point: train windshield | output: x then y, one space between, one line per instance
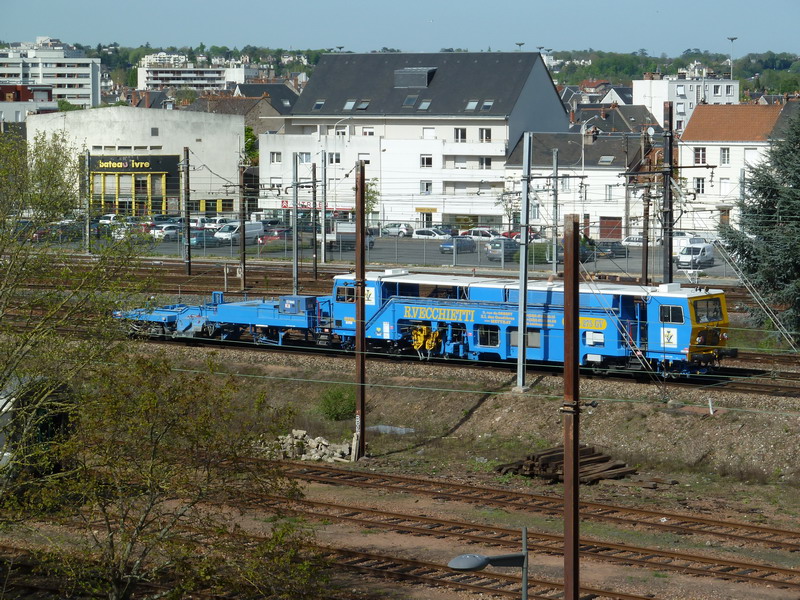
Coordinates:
708 310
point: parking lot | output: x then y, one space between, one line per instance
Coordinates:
414 252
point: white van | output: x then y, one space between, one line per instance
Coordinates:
679 243
696 256
217 222
229 232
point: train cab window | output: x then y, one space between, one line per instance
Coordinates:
345 294
488 335
707 311
671 314
534 338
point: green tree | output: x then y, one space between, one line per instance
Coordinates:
157 459
372 197
65 105
251 145
765 245
44 297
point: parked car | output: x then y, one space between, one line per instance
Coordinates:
161 219
167 232
229 233
634 241
276 234
204 238
482 234
496 249
696 256
217 222
112 219
613 249
199 222
462 244
430 234
398 229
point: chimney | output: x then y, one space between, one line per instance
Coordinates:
572 117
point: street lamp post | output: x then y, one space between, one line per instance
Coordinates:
478 562
730 56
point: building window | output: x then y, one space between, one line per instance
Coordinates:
485 134
304 158
154 131
367 131
671 314
724 156
681 90
425 187
680 107
426 161
484 162
410 101
363 105
691 105
275 158
700 185
364 156
729 90
700 156
424 105
487 105
679 124
471 105
460 134
275 183
334 158
318 104
717 89
349 104
428 133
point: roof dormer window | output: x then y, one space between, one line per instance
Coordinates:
487 105
349 104
410 101
318 104
471 105
362 105
424 105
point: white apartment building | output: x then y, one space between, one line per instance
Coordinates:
685 92
433 129
187 77
71 75
173 60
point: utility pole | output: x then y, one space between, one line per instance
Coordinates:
555 211
571 411
242 231
666 219
524 239
324 213
361 349
645 234
314 217
295 228
87 218
187 228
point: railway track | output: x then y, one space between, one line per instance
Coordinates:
739 533
488 536
492 584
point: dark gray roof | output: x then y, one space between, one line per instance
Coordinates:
223 105
609 151
380 83
790 110
282 97
621 118
153 99
625 93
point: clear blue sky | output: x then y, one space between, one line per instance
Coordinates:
667 27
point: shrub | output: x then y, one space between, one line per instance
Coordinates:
337 403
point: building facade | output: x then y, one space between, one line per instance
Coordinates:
135 154
433 129
48 62
686 92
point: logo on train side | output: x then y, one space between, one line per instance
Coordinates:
436 313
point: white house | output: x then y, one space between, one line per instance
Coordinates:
716 148
434 130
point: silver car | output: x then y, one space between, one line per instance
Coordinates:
398 229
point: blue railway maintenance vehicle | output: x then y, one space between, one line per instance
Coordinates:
664 328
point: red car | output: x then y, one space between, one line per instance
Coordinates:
276 235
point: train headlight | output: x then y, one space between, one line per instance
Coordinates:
699 339
724 336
